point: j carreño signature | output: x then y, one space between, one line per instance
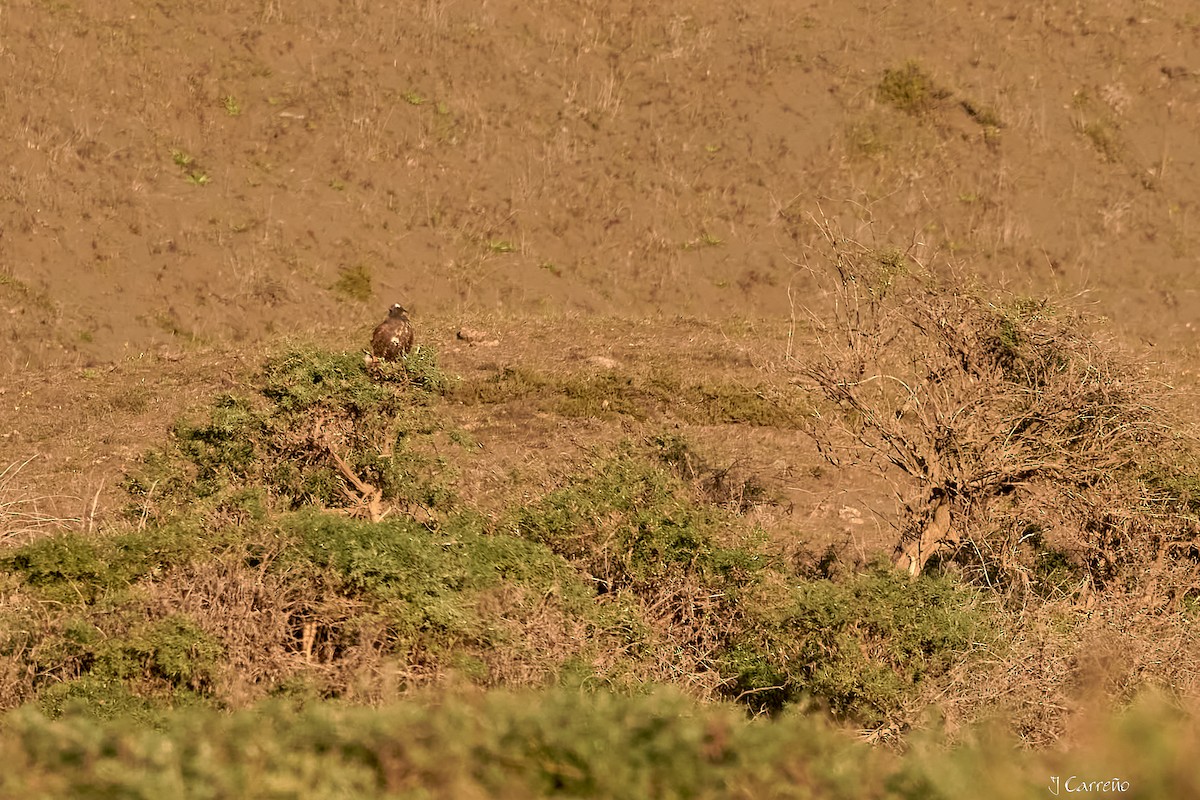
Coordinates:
1075 784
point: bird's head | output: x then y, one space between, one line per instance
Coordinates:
397 312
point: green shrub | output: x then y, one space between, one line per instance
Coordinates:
69 560
155 665
418 369
861 646
565 744
101 698
551 744
224 444
631 524
176 650
427 581
247 454
402 559
73 567
302 379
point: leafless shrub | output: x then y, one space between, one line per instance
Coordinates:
1025 446
247 611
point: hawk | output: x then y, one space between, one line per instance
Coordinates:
393 338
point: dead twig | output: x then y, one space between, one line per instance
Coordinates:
366 500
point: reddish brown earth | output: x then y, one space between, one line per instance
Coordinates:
182 185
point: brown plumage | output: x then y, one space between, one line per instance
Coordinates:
394 336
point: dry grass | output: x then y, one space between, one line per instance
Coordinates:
23 517
1062 664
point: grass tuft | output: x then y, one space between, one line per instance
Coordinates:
354 282
910 89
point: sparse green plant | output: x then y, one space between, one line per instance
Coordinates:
231 105
1104 138
705 239
192 172
462 438
866 139
39 299
1097 126
354 282
910 89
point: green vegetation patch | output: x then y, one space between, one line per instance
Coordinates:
632 524
354 283
862 645
305 378
674 570
281 447
986 116
133 671
77 568
599 395
911 90
563 744
425 579
449 594
551 744
18 289
1175 475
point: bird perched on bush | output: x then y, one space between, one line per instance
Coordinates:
393 337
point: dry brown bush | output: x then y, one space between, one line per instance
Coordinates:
248 610
1023 445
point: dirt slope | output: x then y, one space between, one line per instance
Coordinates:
213 172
